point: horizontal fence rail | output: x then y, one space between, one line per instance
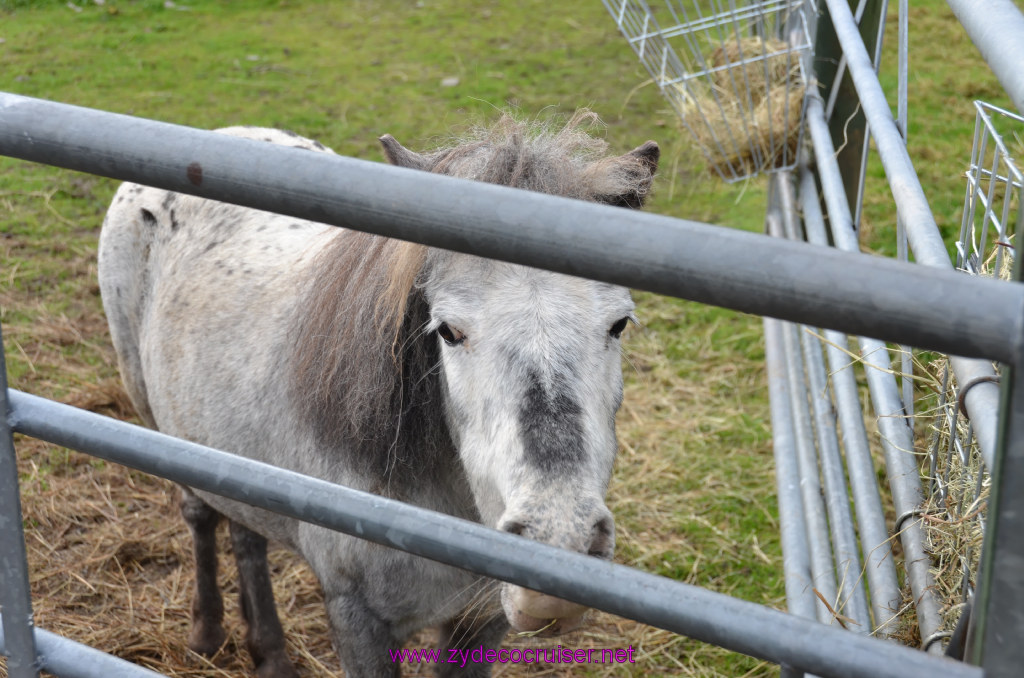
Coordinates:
68 659
875 297
711 617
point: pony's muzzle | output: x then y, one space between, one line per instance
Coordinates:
546 615
540 613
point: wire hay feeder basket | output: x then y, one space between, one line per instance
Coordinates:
956 469
733 70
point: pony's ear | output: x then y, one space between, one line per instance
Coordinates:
400 156
648 154
631 176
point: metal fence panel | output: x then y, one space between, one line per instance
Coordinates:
996 28
712 617
875 297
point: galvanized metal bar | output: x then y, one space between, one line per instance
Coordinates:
796 565
800 599
822 566
902 254
981 402
904 482
897 437
874 535
876 297
802 467
15 594
995 27
902 66
998 616
906 187
68 659
796 556
832 187
811 16
851 600
738 625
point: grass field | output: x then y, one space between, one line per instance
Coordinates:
693 491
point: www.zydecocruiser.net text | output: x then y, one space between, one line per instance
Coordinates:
529 655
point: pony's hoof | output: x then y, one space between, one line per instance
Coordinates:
206 639
276 666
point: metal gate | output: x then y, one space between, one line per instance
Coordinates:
838 550
922 306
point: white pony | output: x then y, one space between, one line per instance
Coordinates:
482 389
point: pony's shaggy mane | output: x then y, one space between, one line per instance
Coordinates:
362 361
357 375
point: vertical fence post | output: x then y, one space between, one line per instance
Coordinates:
846 119
14 587
997 619
998 615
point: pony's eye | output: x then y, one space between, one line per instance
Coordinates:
451 336
618 327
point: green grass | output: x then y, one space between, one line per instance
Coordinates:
694 490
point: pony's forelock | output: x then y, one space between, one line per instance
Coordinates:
548 156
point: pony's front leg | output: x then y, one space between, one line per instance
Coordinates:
361 638
462 635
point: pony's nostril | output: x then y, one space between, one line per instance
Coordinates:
602 538
513 527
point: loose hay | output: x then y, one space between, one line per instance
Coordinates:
954 518
110 562
957 487
745 111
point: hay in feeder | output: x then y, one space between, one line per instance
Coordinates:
755 64
745 110
955 510
953 518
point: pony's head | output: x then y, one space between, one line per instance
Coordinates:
526 363
531 372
